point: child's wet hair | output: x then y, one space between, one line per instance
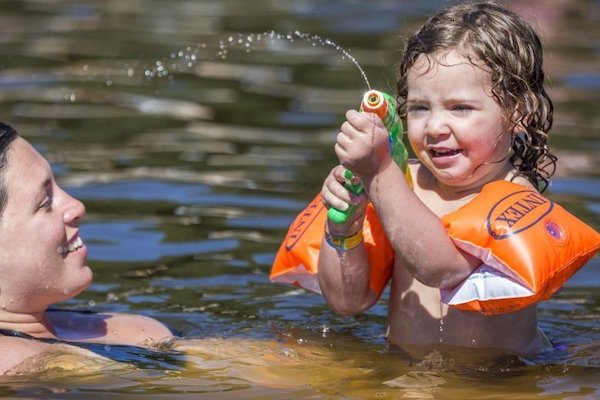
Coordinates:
497 39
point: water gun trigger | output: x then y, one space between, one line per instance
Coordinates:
341 216
355 188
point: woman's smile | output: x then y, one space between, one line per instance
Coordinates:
73 245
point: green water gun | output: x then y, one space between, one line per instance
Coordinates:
384 106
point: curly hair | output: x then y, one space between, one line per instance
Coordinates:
489 34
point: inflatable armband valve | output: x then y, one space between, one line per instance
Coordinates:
529 247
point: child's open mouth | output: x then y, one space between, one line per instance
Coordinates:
444 152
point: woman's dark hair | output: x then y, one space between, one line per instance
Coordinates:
490 35
7 136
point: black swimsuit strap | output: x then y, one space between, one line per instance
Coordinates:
13 333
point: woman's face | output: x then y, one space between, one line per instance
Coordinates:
43 260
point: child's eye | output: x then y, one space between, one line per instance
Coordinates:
417 109
462 109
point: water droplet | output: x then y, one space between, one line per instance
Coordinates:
441 321
288 352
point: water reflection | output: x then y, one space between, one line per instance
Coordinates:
192 173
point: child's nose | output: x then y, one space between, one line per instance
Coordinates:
437 124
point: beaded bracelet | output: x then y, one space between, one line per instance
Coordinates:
344 243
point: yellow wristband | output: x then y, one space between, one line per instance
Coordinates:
344 243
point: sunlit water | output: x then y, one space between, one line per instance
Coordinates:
194 140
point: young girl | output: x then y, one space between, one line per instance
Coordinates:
471 90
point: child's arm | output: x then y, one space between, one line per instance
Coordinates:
419 239
344 273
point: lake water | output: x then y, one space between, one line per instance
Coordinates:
194 136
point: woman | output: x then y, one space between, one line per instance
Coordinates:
43 261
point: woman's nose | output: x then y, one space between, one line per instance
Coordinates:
74 209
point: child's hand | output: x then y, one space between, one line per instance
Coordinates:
362 144
336 195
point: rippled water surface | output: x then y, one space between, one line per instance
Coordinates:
194 131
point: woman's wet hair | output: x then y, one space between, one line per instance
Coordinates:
7 136
494 38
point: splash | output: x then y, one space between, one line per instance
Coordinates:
191 56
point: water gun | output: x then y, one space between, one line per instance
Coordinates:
384 106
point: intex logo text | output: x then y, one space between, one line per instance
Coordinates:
517 212
303 221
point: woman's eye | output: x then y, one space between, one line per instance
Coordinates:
47 204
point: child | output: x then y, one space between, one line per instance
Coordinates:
471 90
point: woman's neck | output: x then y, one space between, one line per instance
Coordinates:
34 323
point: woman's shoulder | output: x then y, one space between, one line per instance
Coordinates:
108 327
14 350
135 329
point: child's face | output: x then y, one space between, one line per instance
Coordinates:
455 126
43 260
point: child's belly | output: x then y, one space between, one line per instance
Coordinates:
417 316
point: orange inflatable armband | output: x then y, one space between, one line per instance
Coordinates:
296 260
529 247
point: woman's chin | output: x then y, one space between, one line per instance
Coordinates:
84 281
